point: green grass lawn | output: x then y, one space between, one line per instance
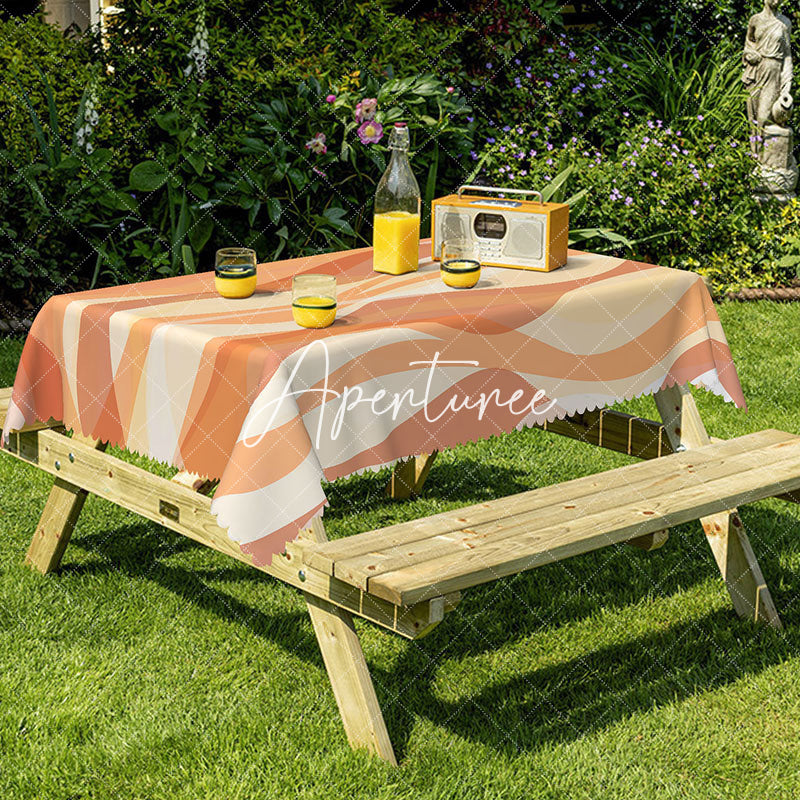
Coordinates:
151 667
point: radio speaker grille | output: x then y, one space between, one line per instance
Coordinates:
526 239
455 226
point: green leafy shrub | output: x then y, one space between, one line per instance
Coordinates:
317 200
679 201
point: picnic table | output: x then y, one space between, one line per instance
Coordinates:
258 412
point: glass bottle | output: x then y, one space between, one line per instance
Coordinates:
395 233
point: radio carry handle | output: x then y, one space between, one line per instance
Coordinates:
499 189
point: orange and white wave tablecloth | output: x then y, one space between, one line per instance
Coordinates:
233 389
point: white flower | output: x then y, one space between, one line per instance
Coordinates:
198 51
90 117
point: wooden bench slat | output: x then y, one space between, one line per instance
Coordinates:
523 548
612 492
404 534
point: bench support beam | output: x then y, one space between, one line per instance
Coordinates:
725 532
347 669
409 476
60 514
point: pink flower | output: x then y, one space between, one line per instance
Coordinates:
370 132
450 89
366 109
317 144
331 98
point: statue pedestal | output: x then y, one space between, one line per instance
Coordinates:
776 174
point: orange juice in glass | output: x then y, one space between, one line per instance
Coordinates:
395 233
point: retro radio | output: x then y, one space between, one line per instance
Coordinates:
523 234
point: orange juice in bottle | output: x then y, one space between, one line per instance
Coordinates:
395 234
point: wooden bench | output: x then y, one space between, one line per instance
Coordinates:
407 577
431 557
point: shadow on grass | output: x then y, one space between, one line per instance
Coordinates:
561 702
138 551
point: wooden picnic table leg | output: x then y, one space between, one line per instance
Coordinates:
725 533
61 512
347 670
409 476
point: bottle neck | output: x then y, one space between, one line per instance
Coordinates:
399 156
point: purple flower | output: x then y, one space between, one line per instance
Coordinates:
317 144
488 65
490 140
523 172
700 117
474 155
331 98
506 128
370 132
519 130
450 89
549 162
533 154
366 109
626 114
628 201
547 84
470 119
624 66
580 113
502 148
654 173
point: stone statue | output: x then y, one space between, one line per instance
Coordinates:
767 75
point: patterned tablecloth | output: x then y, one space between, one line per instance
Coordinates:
233 389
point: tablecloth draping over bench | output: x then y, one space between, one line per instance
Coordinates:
172 370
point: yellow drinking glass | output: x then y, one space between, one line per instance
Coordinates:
235 272
314 300
460 266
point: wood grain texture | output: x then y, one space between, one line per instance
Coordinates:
583 494
525 546
185 511
418 560
724 531
55 526
613 430
348 671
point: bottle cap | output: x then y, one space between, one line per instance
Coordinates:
400 124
